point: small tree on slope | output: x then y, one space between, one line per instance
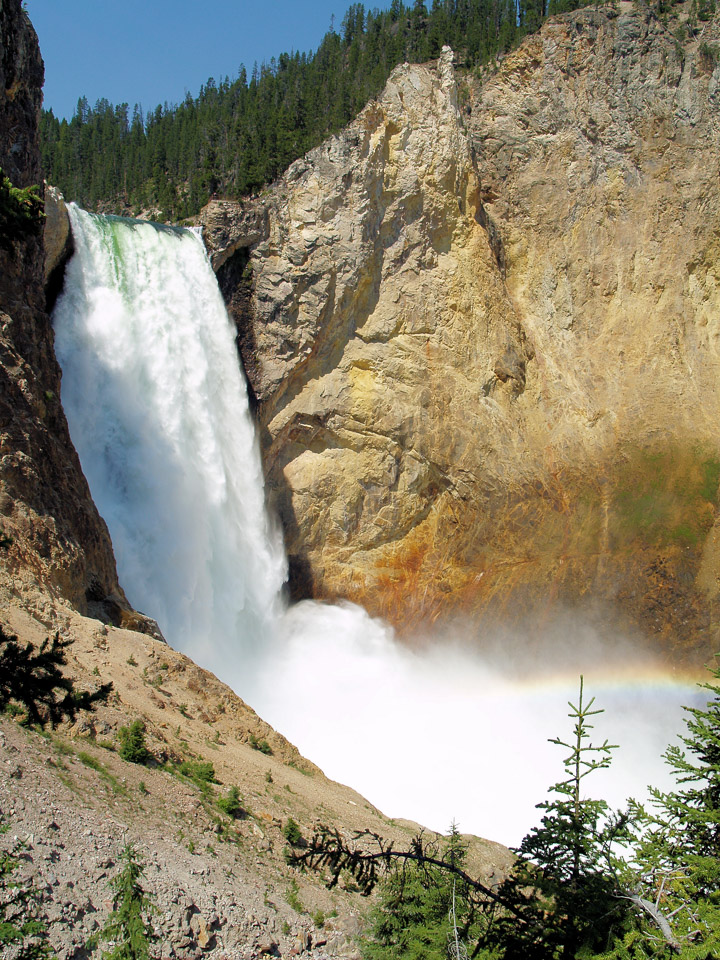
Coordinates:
417 906
128 929
564 881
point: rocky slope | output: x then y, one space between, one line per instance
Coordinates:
52 540
482 340
222 885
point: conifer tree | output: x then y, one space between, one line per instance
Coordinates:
237 136
570 894
128 929
564 883
677 865
132 743
33 679
413 917
562 899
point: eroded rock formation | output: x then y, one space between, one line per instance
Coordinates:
482 342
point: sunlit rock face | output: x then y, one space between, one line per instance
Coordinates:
483 342
57 236
597 144
386 352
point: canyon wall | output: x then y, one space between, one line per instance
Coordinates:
51 536
482 338
479 327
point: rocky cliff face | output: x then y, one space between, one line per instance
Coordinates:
597 145
482 342
50 532
380 336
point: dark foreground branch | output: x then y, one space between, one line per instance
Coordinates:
33 679
329 851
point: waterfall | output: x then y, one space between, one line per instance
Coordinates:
157 408
158 411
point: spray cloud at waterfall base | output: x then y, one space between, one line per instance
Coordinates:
157 407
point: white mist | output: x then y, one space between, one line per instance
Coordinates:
158 412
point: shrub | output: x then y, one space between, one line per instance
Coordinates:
292 833
707 57
132 743
705 10
262 745
202 771
231 804
21 212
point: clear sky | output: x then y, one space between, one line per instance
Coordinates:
152 51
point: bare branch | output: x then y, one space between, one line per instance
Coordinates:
328 850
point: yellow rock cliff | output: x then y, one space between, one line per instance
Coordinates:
482 339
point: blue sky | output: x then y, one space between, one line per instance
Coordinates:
152 51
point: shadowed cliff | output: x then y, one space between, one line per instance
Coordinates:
51 536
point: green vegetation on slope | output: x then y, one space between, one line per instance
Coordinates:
21 212
588 883
237 136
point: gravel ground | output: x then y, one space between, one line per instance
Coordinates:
221 885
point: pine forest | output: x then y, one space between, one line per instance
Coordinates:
238 135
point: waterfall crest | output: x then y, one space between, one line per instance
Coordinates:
157 407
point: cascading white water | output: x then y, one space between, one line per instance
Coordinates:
158 412
159 416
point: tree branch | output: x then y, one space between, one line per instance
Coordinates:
328 849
